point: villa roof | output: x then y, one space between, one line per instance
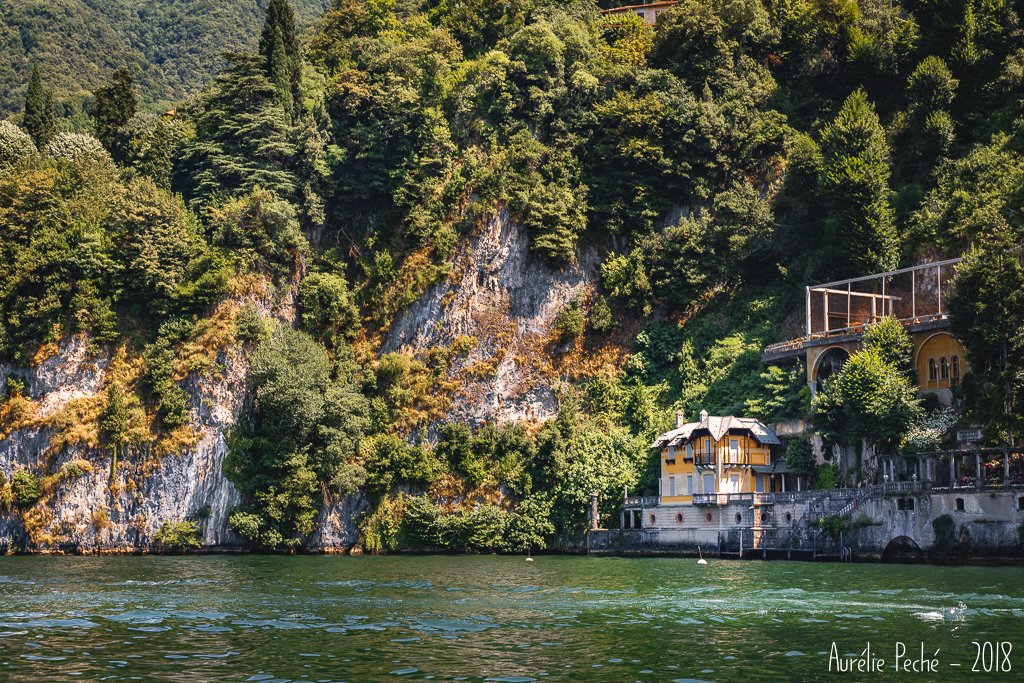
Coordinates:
718 427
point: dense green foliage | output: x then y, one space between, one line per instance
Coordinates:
709 169
173 46
39 116
178 536
306 422
872 397
113 107
988 312
25 488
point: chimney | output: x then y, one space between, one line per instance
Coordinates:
703 416
680 419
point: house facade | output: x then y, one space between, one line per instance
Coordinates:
717 456
648 11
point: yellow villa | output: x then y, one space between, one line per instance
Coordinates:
717 455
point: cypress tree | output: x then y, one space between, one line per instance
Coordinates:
855 181
39 119
279 47
115 104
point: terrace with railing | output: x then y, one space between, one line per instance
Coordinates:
840 310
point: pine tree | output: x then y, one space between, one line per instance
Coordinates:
855 181
39 119
279 47
114 106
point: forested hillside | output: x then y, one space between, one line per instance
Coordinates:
173 47
677 188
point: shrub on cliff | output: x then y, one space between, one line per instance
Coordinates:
178 537
25 488
571 321
326 308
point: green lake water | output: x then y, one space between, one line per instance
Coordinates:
257 618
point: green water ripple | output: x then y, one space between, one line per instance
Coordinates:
483 618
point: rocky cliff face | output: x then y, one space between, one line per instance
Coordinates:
88 504
498 296
93 510
506 301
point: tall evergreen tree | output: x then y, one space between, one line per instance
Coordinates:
39 120
243 139
855 181
987 313
279 46
114 106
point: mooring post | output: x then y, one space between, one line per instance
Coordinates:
593 512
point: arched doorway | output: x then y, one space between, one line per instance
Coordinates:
829 363
902 549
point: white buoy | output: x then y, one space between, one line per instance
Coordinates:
701 560
529 559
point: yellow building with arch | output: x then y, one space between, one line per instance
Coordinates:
837 313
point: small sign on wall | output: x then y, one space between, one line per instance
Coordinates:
972 435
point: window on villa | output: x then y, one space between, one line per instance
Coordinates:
960 504
956 367
739 518
932 374
789 517
734 449
689 485
708 517
1020 503
679 518
671 457
944 368
651 519
671 486
708 448
689 451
